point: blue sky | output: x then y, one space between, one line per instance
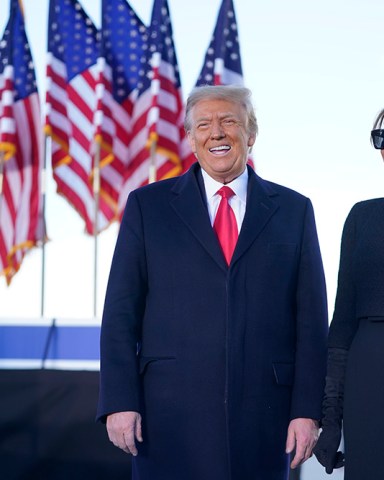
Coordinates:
316 70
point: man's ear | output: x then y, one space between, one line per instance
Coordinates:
191 141
251 140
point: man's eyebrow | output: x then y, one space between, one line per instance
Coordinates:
221 115
228 115
203 117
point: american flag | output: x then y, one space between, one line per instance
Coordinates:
222 64
158 114
21 222
73 49
123 41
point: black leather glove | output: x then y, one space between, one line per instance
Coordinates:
326 449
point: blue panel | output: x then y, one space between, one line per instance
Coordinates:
66 343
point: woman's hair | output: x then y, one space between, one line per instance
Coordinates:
229 93
379 120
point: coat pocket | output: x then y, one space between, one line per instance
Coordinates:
376 319
145 361
284 373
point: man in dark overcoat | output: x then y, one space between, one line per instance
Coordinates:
212 368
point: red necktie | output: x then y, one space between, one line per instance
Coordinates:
225 224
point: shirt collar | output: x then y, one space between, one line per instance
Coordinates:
239 185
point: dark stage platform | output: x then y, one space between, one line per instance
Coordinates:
47 428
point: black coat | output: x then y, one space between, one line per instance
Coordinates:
227 356
358 326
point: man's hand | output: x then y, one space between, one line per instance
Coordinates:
302 435
123 429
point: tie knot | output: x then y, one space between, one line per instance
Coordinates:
226 192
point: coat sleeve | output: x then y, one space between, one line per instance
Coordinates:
311 325
344 322
122 317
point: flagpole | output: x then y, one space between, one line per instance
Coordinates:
154 114
96 194
43 194
152 164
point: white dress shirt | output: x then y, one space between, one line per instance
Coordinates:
237 202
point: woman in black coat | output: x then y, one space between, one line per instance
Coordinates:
354 392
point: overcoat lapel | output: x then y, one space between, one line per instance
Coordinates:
260 209
189 204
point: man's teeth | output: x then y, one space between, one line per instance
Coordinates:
222 147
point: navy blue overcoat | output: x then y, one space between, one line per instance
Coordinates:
217 359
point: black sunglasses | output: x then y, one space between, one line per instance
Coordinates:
377 137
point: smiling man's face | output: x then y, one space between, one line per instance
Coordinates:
219 138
